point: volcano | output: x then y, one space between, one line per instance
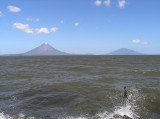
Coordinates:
124 51
44 49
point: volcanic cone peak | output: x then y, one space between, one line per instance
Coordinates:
45 49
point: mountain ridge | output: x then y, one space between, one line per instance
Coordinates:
44 49
124 51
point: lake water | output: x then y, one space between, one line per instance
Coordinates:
79 87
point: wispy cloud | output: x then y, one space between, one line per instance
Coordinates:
107 3
25 28
145 43
136 41
43 30
62 21
54 29
98 2
76 24
13 9
139 42
1 14
121 3
32 19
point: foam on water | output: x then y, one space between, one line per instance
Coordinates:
22 116
124 110
19 116
128 109
76 118
2 116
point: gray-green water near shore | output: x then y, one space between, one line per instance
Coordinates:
79 86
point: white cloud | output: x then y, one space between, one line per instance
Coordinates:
13 9
54 29
145 43
76 24
43 30
98 2
1 14
62 22
25 28
107 3
31 19
139 42
121 3
136 41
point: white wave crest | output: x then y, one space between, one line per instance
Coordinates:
2 116
124 110
19 116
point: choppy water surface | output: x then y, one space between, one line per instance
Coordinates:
64 87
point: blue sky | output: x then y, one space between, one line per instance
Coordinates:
80 26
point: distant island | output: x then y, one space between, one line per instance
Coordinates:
44 49
47 50
124 51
